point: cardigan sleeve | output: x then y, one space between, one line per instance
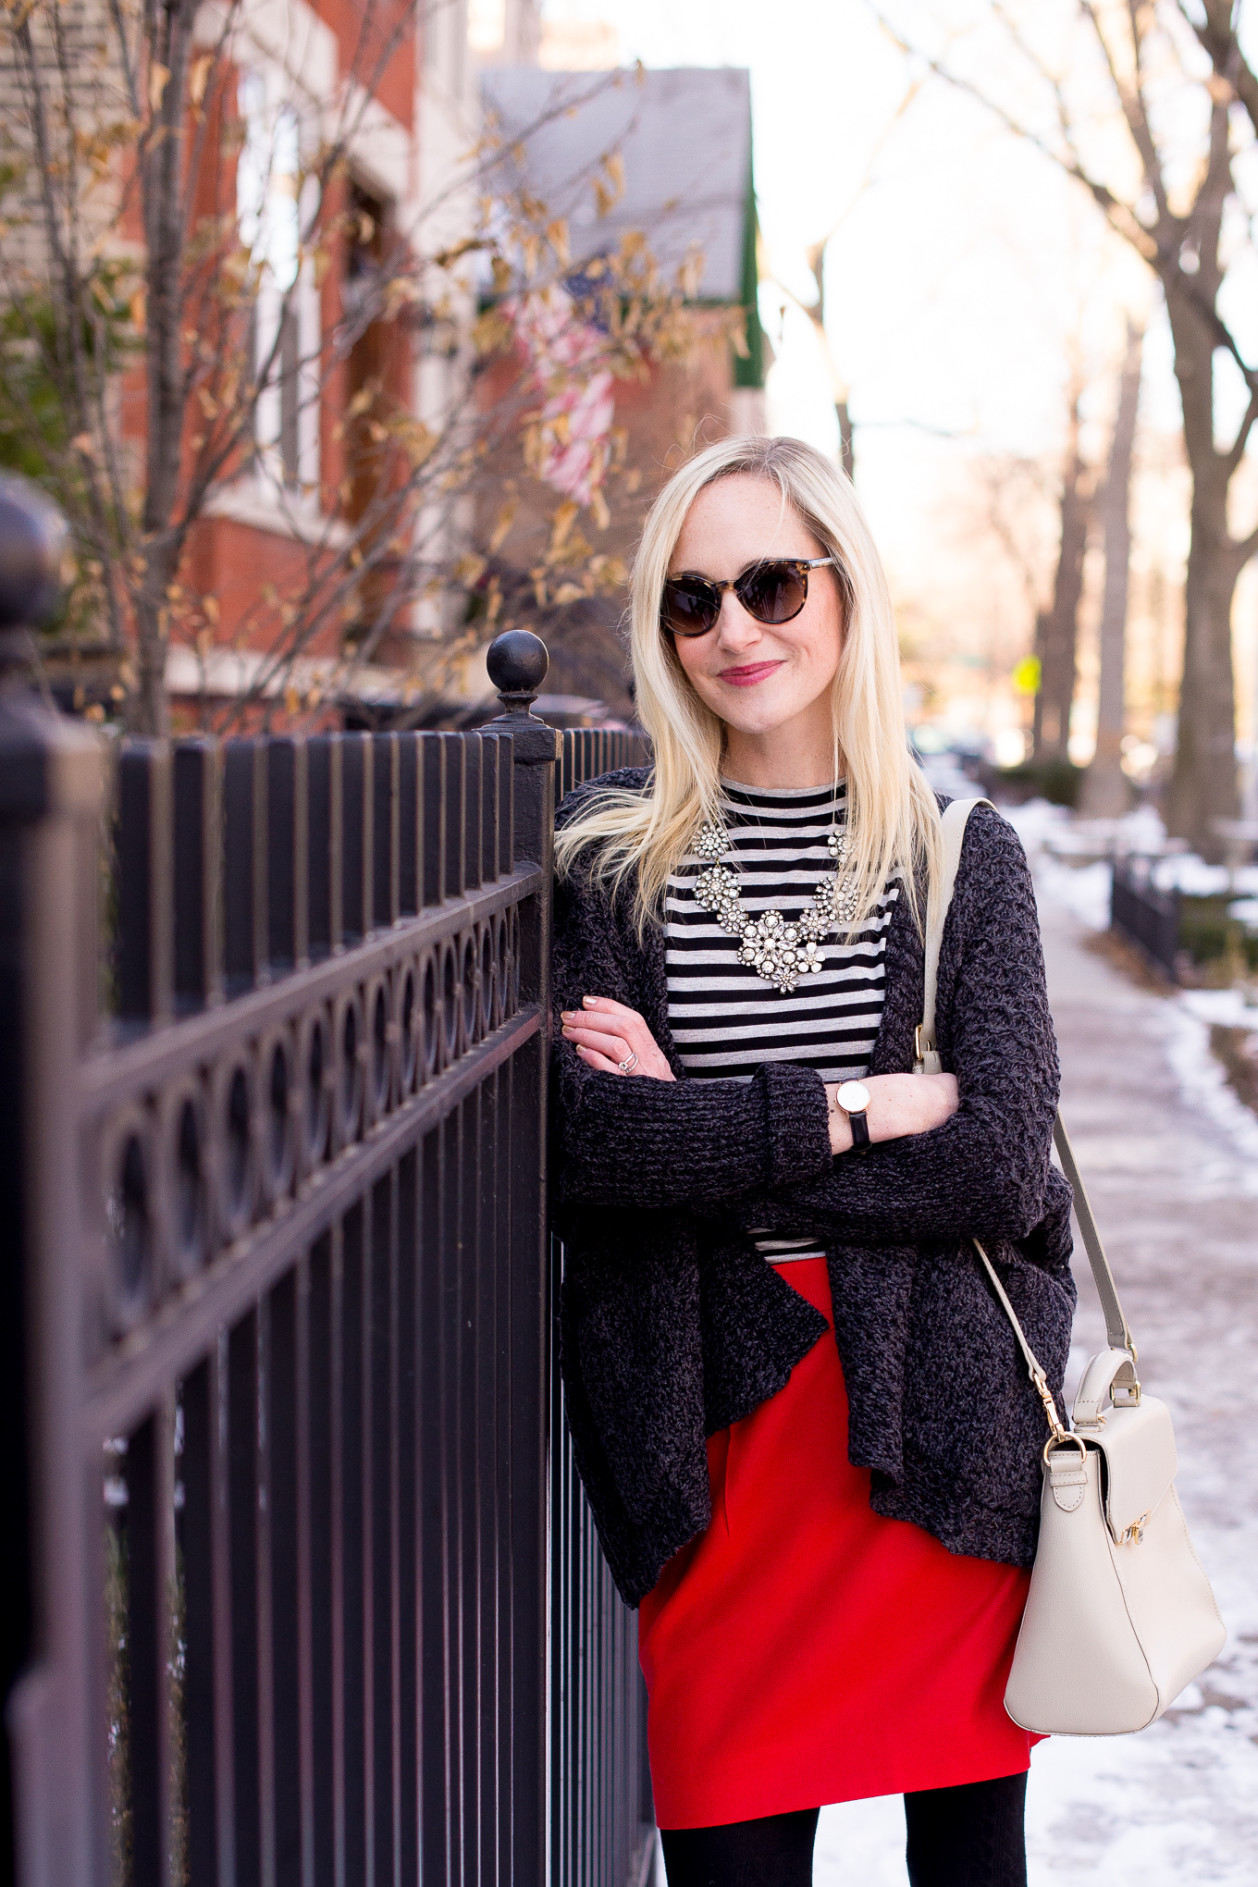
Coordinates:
636 1142
986 1170
695 1144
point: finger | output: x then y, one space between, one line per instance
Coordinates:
612 1045
619 1012
600 1033
602 1014
599 1063
600 1036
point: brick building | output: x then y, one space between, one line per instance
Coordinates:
294 586
268 89
682 141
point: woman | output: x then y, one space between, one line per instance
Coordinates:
809 1446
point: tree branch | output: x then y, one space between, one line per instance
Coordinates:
1218 37
1132 103
1236 452
1148 244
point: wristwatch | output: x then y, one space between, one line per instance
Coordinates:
853 1098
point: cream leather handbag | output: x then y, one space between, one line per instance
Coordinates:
1120 1616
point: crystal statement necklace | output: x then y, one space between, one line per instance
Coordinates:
779 951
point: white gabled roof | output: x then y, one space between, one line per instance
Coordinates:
684 137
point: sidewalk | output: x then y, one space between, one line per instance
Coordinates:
1172 1163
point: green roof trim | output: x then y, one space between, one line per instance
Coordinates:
749 367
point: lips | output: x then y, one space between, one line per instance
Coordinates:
748 677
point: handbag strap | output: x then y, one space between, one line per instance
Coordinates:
1117 1329
952 826
1034 1368
953 823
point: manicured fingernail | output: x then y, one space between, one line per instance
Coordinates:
591 1002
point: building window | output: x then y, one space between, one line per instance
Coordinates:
284 323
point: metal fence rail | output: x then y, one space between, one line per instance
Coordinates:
303 1586
1146 915
601 1813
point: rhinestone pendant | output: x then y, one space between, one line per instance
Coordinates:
716 887
712 842
778 950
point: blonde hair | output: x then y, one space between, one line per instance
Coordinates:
893 817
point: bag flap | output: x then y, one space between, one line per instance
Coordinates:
1138 1445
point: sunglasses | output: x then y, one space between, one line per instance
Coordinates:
773 591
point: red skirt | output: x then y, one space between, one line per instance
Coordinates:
803 1650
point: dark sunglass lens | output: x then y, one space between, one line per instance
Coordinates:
689 609
774 592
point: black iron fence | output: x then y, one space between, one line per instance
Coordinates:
1146 915
299 1585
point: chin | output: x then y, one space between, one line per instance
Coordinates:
758 717
756 724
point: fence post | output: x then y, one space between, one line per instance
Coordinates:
517 663
50 793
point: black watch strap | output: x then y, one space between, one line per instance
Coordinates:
859 1123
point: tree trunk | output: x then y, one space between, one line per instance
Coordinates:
150 703
1204 783
1105 786
847 437
165 230
817 315
1057 628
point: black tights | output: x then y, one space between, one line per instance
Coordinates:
971 1836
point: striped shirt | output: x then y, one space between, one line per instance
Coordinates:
725 1018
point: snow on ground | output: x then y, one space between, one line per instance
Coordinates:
1203 1083
1198 880
1084 890
1171 1158
1052 839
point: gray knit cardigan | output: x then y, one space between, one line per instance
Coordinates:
672 1326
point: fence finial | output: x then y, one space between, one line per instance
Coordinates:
33 540
517 662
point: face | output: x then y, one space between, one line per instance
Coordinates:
761 679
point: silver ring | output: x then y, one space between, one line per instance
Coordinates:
627 1066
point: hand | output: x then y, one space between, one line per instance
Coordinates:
606 1033
898 1105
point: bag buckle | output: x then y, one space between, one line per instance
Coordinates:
1059 1440
1050 1409
925 1055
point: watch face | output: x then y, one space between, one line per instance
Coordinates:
853 1097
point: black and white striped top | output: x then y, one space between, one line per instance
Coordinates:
725 1018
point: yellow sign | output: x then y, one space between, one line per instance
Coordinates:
1026 675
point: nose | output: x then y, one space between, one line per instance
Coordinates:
735 630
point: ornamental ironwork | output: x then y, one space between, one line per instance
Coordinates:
311 1590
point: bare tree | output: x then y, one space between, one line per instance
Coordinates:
1015 505
1057 626
840 391
1145 58
1105 786
192 281
840 387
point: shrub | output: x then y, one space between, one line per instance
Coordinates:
1055 780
